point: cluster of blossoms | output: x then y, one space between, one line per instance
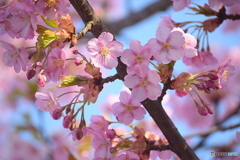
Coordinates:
203 81
170 45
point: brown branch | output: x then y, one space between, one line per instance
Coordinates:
212 130
155 109
235 111
159 147
136 17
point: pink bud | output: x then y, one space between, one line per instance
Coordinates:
67 120
77 134
213 76
57 113
41 79
212 84
210 110
202 111
111 133
78 61
74 51
31 73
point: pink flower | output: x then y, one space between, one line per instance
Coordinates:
144 83
168 45
218 4
163 155
41 79
46 102
104 51
203 58
20 20
53 8
127 109
55 65
189 46
225 71
168 22
99 122
129 156
182 84
137 54
180 4
101 144
14 57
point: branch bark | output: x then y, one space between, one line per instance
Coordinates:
176 142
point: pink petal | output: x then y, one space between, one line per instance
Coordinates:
176 39
125 118
139 93
125 97
135 46
153 92
175 54
105 38
139 113
163 33
131 81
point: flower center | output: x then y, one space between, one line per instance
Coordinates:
225 74
58 62
129 107
143 83
104 51
138 58
166 46
50 3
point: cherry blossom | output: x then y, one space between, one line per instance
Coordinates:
104 51
137 54
163 155
182 84
144 83
225 71
218 4
52 8
22 14
167 45
127 109
129 156
55 65
180 4
99 122
202 58
101 144
18 58
46 102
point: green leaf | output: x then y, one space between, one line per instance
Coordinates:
46 38
72 81
51 23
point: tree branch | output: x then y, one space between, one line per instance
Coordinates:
133 18
212 130
235 111
155 109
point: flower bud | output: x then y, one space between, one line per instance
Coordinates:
78 61
31 73
67 120
41 79
110 133
57 113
